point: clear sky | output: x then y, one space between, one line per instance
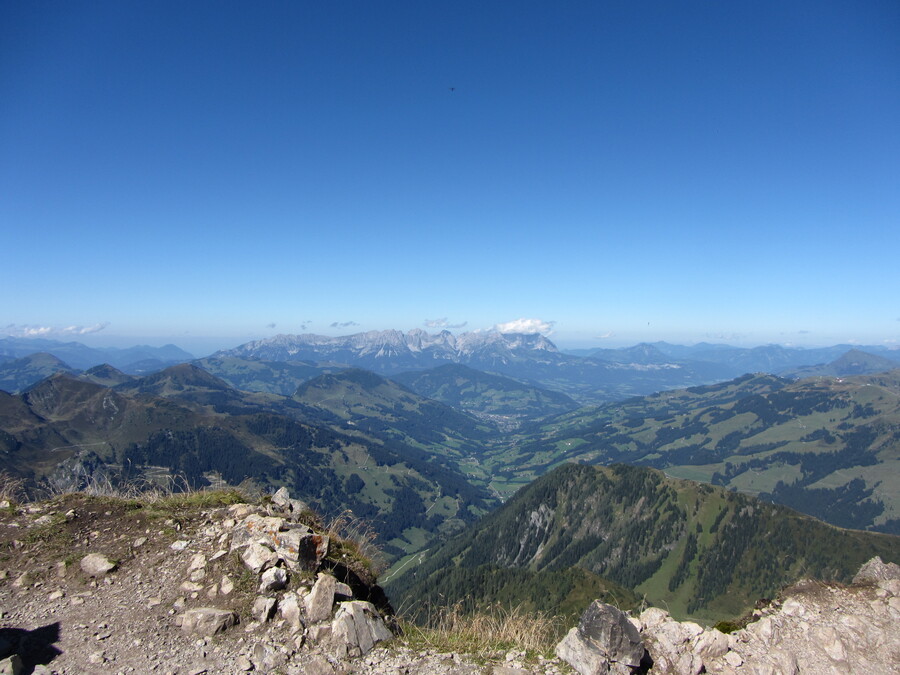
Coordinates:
211 172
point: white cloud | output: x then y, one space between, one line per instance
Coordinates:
84 330
526 326
52 331
443 323
343 324
605 336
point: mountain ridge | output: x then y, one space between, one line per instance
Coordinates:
698 549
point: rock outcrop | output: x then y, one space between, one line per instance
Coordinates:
228 589
604 641
99 586
813 628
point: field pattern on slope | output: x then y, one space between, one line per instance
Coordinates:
828 446
183 424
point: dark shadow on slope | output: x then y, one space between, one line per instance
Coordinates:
34 647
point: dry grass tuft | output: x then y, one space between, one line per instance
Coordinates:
485 634
12 488
354 539
173 495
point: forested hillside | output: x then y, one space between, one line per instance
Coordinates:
827 446
700 550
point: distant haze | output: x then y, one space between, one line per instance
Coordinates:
604 172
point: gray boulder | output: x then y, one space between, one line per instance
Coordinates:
273 579
293 507
876 570
289 606
207 620
96 565
256 529
318 603
604 641
258 558
263 608
357 628
301 549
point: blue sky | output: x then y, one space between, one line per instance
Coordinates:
211 172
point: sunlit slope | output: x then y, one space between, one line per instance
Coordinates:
827 446
699 550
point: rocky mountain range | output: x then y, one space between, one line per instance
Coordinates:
590 376
280 364
393 351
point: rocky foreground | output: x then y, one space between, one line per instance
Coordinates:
91 585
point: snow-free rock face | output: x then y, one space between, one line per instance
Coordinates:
875 571
392 350
814 628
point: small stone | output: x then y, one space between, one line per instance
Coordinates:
179 545
226 585
140 541
56 595
273 579
734 659
198 561
263 608
96 565
320 632
207 620
243 663
259 558
242 510
317 664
